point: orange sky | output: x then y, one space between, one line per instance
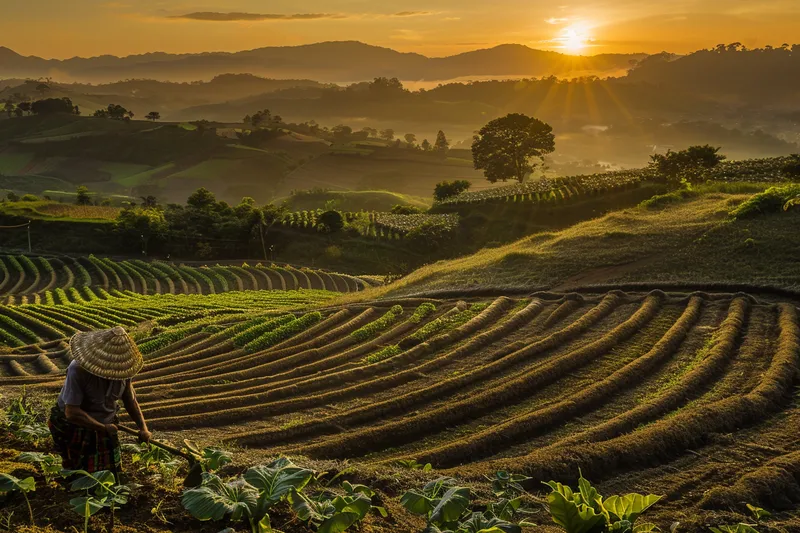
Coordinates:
60 29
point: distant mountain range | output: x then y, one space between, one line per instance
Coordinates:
340 61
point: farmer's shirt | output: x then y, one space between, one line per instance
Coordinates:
95 395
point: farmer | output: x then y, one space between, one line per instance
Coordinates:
82 421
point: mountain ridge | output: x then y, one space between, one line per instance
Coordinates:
329 61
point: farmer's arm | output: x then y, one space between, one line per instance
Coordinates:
132 406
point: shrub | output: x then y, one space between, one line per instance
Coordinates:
773 200
792 168
332 220
29 198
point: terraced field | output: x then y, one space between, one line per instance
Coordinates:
691 391
65 280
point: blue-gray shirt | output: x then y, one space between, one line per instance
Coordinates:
95 395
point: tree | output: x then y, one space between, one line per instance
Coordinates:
141 225
372 132
24 106
792 168
426 145
83 197
446 189
42 88
386 87
149 202
76 110
12 196
442 144
153 115
342 132
686 164
202 199
50 106
507 147
331 221
387 134
410 139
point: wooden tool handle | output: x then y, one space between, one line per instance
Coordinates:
164 446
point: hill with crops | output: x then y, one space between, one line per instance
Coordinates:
631 333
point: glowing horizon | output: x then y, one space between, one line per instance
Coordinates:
96 27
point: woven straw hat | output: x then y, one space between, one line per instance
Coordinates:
108 353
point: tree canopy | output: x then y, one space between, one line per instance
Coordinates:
446 189
687 163
509 147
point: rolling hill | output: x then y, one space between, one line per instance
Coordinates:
340 61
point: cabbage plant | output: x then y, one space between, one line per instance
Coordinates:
248 497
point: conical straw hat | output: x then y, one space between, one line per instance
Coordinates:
108 353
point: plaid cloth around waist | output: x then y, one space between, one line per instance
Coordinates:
82 448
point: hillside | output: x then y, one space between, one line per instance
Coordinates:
338 61
171 160
694 242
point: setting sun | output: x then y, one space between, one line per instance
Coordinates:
574 39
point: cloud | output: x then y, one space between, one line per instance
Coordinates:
213 16
412 14
557 20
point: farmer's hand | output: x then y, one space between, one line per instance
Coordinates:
111 429
145 435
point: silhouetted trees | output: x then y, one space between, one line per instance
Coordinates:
410 139
442 145
83 197
387 134
686 164
509 147
49 106
114 111
153 115
446 189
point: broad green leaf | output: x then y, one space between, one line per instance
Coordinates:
563 490
264 525
630 506
86 505
758 512
451 506
381 511
504 509
338 523
351 488
590 495
215 458
359 504
573 518
10 483
86 480
310 510
276 480
215 499
417 503
438 486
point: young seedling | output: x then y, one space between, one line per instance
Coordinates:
9 483
101 491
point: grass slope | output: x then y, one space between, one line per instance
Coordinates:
354 200
691 241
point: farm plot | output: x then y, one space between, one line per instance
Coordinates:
542 385
33 280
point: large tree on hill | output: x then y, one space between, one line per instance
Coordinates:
512 147
153 115
687 164
387 134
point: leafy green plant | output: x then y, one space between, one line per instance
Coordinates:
412 464
9 483
585 510
211 458
5 520
440 501
250 496
48 463
150 457
331 515
373 328
507 487
758 513
101 491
